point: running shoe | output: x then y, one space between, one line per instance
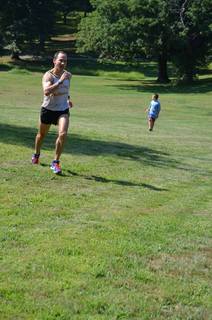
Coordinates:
55 166
35 158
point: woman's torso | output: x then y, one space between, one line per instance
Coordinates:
58 101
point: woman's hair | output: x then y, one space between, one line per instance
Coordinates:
155 96
58 52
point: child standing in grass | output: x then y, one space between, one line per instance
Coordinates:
153 111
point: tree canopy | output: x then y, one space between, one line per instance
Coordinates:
29 23
193 41
177 31
166 30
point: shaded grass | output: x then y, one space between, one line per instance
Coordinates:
141 76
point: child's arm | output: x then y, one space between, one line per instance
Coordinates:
147 109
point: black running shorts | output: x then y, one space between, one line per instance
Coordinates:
51 117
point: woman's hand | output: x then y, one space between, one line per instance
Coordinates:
65 75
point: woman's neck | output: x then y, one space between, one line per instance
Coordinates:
56 72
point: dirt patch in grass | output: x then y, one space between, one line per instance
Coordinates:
202 213
187 264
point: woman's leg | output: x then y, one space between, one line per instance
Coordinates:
63 124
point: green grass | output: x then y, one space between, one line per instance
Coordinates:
125 232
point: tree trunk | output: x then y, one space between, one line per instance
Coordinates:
15 55
162 69
65 15
41 46
65 18
189 72
188 77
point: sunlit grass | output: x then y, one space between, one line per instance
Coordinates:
125 232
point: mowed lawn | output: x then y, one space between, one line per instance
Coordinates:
125 232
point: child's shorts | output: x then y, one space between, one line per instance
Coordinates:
153 116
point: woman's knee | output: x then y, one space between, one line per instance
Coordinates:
62 135
40 135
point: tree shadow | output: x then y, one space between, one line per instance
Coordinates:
83 65
199 86
36 65
89 66
78 144
5 67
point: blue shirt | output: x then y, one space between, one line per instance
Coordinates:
154 108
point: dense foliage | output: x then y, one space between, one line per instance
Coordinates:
179 31
193 40
166 30
67 6
28 24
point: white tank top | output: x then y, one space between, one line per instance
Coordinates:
58 102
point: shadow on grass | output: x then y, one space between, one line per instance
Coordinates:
80 65
93 67
5 67
90 67
80 145
199 86
77 144
119 182
69 173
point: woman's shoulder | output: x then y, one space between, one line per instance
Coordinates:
48 75
69 73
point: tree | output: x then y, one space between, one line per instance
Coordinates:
1 31
13 21
157 29
125 29
24 22
193 44
67 6
41 21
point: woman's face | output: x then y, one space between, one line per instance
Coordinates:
61 61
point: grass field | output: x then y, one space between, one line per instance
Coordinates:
125 232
